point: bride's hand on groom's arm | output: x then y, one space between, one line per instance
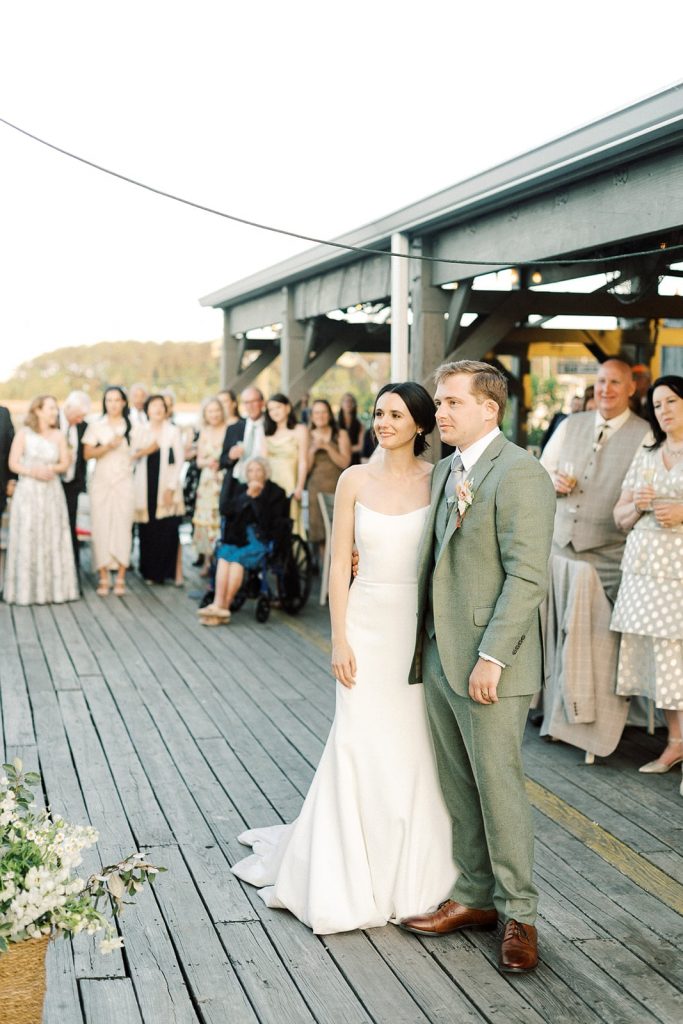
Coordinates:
484 680
344 664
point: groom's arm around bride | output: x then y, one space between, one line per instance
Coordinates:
482 577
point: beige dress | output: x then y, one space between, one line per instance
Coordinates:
283 457
649 607
111 498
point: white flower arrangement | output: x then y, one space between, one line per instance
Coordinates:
40 891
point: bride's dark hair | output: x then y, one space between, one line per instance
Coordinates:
420 405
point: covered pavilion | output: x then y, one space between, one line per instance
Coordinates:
586 226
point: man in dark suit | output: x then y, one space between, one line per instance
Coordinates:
242 441
72 424
6 438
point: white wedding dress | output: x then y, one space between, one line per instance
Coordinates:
373 840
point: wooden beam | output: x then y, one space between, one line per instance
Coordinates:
248 375
483 337
597 303
614 208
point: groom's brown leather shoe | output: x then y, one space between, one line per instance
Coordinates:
518 951
449 917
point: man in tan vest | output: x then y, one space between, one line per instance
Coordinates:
588 457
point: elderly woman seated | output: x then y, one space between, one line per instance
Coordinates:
257 513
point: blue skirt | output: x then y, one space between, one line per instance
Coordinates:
250 556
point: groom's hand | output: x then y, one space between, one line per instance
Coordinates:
484 680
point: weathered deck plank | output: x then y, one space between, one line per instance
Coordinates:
173 737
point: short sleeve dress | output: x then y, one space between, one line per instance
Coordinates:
649 606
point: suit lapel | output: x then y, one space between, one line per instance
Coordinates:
476 476
426 558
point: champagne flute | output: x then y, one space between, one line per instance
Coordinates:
647 479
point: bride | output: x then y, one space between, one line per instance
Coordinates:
373 839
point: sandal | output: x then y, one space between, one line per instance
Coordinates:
103 588
120 589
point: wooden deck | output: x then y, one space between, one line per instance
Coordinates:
172 738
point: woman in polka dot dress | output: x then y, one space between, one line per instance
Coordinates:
649 607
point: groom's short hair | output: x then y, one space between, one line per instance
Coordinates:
487 381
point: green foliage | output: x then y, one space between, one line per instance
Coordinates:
191 368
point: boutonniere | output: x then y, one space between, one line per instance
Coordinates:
462 499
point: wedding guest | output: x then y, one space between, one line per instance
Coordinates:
137 395
589 403
168 395
649 607
256 513
158 497
40 564
587 466
7 478
243 440
329 453
108 441
206 520
72 424
228 400
643 379
285 445
348 421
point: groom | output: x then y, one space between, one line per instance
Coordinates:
482 575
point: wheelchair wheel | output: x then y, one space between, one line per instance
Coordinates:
295 584
262 609
238 600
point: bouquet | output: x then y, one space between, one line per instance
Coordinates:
40 890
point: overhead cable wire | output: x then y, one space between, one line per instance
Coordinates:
364 249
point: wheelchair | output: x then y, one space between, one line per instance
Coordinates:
284 576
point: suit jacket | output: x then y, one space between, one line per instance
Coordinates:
233 435
6 438
79 476
492 572
581 652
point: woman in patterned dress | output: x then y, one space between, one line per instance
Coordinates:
649 607
40 561
206 521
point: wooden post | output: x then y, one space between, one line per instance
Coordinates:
230 354
429 329
292 344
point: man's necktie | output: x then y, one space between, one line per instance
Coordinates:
455 476
602 437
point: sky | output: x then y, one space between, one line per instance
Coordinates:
314 116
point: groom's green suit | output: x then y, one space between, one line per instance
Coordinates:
480 587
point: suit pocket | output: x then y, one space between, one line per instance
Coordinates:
482 616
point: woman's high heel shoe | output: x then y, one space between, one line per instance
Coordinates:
660 767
